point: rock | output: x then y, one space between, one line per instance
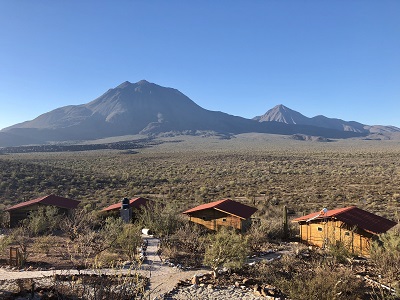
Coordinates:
207 276
210 286
248 282
195 280
263 292
237 284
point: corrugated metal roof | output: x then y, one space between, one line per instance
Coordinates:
48 200
354 216
134 203
227 205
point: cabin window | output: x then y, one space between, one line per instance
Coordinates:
204 218
347 233
224 220
319 228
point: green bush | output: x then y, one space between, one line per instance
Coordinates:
226 248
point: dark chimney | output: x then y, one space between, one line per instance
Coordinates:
126 211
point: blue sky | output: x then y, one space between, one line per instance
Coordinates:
335 58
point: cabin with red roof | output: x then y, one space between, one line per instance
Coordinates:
134 203
350 226
22 210
220 213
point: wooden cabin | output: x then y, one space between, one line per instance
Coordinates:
134 203
353 227
22 210
225 212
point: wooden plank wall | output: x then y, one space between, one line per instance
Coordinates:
213 219
321 233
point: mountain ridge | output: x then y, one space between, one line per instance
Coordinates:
281 113
147 108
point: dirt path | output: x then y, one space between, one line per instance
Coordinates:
163 278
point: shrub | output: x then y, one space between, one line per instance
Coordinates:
161 219
128 240
226 249
385 253
323 282
43 244
44 220
187 245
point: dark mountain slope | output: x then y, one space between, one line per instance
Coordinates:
147 108
130 108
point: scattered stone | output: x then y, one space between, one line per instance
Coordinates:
195 280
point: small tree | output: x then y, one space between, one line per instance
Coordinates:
129 239
226 249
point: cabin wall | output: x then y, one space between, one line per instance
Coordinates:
213 219
321 233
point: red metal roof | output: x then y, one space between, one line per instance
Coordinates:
134 203
48 200
228 206
353 216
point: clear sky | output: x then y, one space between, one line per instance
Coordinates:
336 58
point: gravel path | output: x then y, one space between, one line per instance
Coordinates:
163 278
205 293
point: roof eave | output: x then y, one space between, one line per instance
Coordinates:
229 213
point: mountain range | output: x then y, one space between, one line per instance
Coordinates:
147 108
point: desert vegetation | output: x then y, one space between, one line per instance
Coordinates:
304 178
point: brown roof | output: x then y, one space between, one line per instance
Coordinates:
134 203
48 200
228 206
353 216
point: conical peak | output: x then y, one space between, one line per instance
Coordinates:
142 82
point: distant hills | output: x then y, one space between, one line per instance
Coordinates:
283 114
147 108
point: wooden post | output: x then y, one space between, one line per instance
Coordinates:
15 257
285 222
